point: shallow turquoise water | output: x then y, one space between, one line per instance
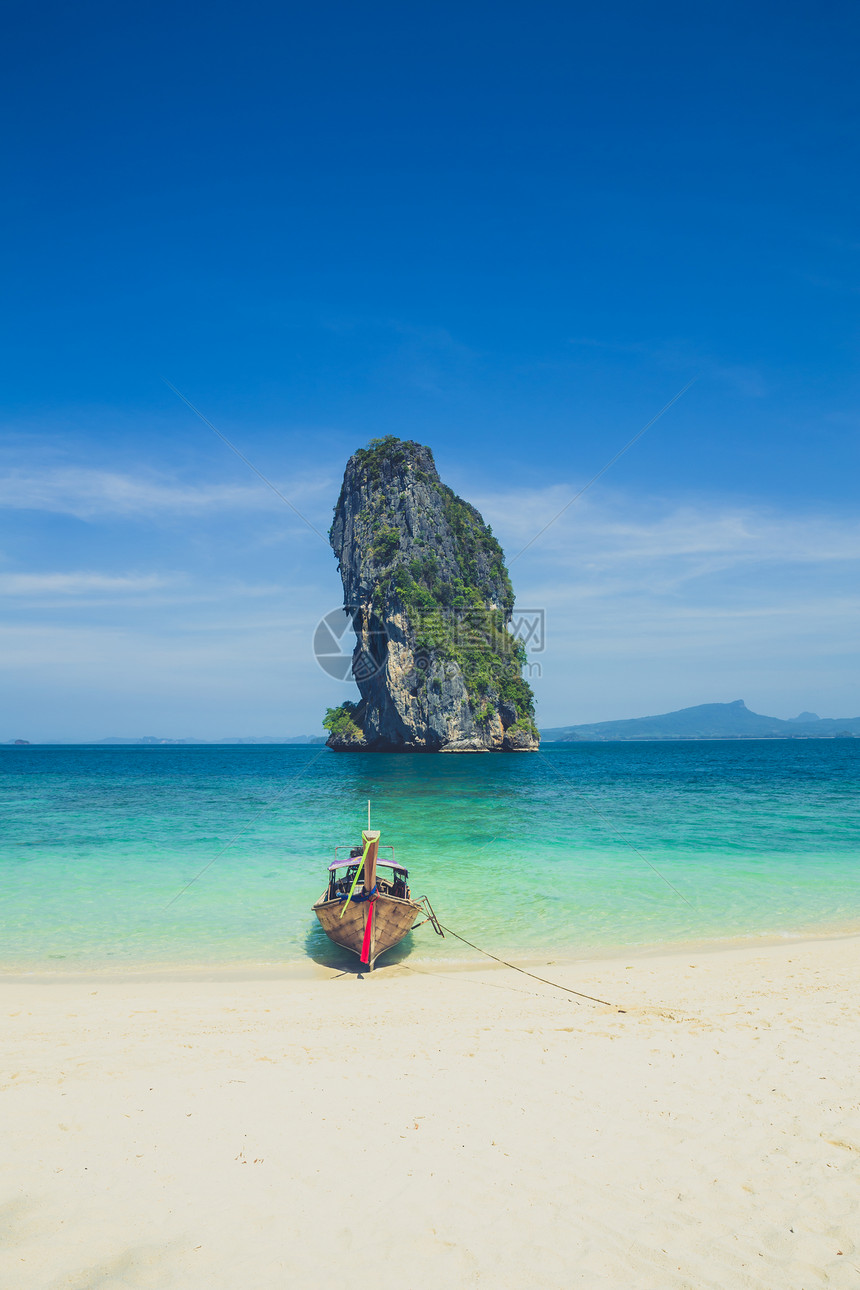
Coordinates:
527 855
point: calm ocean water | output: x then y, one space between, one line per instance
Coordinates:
525 855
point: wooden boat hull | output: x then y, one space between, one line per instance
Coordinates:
392 919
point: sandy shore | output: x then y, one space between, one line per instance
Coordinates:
423 1128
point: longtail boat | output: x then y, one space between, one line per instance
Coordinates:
367 906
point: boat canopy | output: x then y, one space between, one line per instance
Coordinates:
380 864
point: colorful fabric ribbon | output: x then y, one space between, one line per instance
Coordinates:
357 900
359 871
365 945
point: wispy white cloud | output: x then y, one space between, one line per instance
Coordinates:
182 600
66 681
76 584
91 493
670 543
652 605
649 602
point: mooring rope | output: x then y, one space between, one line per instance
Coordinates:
555 984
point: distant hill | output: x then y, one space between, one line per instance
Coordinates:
273 739
711 721
147 739
150 740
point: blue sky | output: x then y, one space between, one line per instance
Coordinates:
510 233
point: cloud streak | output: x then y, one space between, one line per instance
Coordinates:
650 604
77 584
90 493
621 532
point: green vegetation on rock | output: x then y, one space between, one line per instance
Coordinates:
341 722
424 571
385 544
389 453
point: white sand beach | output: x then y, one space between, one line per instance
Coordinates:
431 1128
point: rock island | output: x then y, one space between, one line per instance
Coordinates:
425 584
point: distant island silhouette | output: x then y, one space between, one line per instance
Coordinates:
705 721
711 721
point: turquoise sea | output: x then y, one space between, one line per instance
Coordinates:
529 856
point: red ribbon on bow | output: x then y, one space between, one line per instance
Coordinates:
365 945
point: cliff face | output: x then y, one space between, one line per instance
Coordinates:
425 582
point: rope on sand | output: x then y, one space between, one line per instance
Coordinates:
555 984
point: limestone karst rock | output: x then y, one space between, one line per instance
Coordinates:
425 583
